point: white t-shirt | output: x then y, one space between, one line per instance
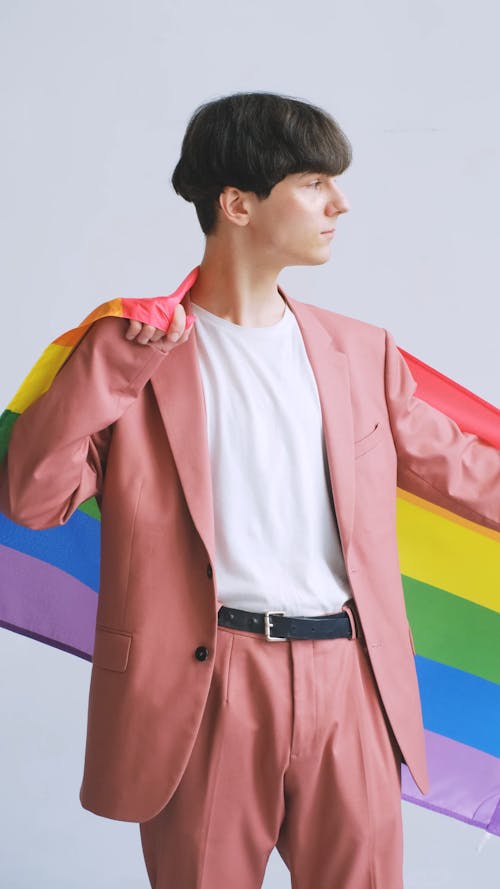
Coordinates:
277 544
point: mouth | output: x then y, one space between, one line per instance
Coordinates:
331 231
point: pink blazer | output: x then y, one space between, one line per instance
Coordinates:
126 423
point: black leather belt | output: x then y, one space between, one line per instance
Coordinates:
276 626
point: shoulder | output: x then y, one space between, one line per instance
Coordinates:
347 330
100 330
100 342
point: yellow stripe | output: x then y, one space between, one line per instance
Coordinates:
53 357
444 550
39 378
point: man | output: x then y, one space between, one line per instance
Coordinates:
253 681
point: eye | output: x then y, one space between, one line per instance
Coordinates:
315 183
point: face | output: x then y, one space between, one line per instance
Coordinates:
294 223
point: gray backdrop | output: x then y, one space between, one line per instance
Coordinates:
95 101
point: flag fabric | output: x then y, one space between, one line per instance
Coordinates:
450 570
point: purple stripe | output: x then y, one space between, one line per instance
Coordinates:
52 642
464 782
495 821
45 603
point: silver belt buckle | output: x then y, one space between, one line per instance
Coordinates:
268 625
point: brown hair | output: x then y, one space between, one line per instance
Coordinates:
252 141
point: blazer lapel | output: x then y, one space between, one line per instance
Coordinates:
179 392
331 371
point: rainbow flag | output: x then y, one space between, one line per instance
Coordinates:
450 572
450 568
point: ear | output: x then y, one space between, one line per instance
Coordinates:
234 204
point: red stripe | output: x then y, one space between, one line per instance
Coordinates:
472 413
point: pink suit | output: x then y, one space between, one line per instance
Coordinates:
126 422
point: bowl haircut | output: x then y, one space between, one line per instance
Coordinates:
252 141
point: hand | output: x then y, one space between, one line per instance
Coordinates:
146 333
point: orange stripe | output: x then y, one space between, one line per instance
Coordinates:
72 337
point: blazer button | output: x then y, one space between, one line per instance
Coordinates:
201 653
209 570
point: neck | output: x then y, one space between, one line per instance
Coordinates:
237 287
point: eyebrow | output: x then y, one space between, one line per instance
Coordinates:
318 173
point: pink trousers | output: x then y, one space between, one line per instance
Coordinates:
295 752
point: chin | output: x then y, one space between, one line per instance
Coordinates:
313 257
318 258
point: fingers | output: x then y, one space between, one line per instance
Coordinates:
158 335
147 333
143 333
133 329
177 324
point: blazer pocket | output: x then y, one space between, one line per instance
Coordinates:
368 441
111 649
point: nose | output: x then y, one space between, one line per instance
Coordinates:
338 202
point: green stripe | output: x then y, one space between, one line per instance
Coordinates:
453 630
7 420
91 508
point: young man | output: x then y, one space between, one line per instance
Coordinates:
253 681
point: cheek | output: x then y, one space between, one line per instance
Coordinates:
279 227
296 220
289 223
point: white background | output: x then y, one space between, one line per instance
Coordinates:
95 101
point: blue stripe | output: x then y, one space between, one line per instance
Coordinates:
73 547
460 705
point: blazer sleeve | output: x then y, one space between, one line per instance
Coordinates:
435 458
58 446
